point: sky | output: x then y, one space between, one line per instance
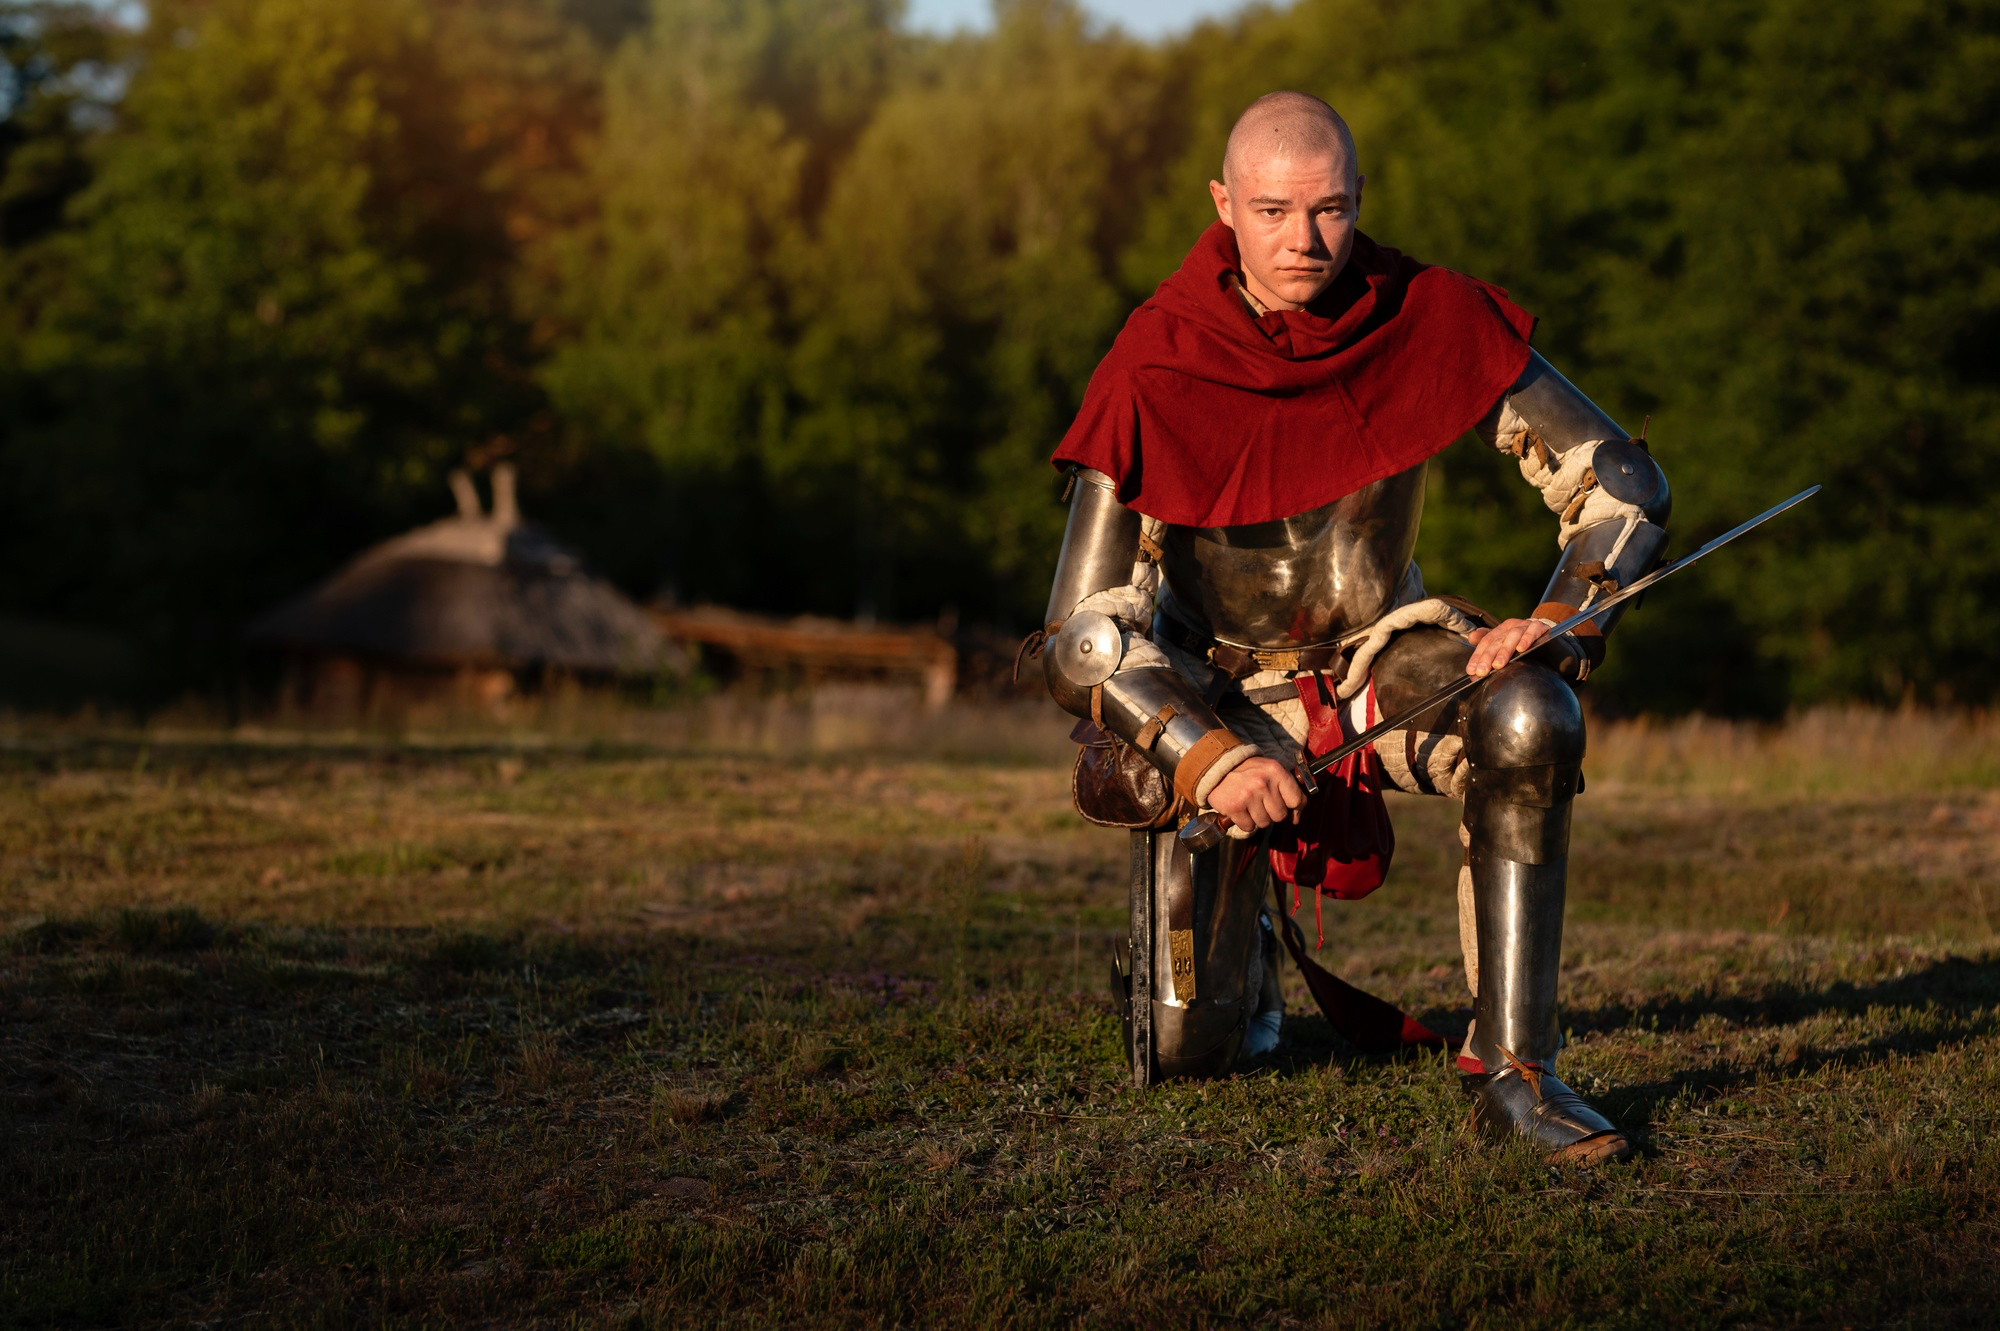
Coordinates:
1141 18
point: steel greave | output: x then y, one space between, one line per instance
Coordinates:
1518 910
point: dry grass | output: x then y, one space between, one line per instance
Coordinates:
573 1031
1846 751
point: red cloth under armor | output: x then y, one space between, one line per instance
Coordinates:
1342 845
1209 416
1343 840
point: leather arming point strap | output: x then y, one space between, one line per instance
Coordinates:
1201 756
1031 647
1588 636
1150 732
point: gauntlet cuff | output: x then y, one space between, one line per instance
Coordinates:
1203 754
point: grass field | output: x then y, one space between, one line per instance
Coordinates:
322 1031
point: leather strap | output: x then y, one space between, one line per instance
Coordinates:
1242 662
1588 636
1201 756
1479 613
1150 732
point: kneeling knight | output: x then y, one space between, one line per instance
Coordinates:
1236 590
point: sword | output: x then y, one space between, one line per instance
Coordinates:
1204 831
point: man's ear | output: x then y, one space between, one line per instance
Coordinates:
1220 193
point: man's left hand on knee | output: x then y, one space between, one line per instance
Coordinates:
1495 647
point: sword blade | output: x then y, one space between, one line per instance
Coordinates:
1570 625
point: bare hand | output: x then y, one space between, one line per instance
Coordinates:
1495 647
1259 792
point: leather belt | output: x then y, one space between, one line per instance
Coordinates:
1241 662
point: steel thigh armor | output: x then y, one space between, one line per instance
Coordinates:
1197 956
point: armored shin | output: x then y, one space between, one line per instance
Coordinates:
1525 740
1197 957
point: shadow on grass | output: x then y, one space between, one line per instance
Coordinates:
1953 986
1959 995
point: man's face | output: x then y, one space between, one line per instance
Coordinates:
1294 222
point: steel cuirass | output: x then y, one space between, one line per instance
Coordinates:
1302 580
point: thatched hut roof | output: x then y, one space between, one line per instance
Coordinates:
478 589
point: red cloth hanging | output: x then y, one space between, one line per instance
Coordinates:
1372 1025
1342 845
1343 840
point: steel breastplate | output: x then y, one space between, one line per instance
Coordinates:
1300 580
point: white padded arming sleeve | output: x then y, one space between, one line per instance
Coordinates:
1568 481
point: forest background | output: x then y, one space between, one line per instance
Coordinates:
778 304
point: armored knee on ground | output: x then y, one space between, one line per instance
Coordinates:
1197 971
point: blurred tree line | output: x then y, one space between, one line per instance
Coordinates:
781 305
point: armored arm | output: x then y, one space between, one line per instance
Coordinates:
1610 496
1099 661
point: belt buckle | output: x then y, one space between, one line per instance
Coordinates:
1276 660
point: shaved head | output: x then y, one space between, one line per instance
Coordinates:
1290 125
1291 191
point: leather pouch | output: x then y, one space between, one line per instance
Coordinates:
1115 785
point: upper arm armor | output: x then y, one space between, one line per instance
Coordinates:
1560 415
1586 465
1100 545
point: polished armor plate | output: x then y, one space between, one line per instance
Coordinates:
1299 580
1088 648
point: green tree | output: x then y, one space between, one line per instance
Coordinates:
272 318
724 124
58 71
964 289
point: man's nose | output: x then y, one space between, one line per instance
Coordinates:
1301 236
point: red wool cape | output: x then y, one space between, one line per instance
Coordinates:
1207 415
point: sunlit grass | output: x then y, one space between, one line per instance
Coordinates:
368 1031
